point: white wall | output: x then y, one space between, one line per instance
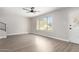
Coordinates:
74 33
2 33
16 24
60 25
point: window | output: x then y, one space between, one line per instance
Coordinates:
44 23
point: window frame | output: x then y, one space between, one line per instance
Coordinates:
47 23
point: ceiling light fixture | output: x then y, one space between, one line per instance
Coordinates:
30 10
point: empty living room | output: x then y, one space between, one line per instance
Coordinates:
39 29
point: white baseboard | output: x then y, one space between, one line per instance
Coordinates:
39 34
52 37
3 37
17 33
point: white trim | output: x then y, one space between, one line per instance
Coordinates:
3 37
53 37
17 33
61 39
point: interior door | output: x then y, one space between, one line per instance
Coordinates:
74 27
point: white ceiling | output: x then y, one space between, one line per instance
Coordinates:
20 11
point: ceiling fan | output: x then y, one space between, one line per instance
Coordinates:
30 10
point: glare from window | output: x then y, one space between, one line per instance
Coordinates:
44 23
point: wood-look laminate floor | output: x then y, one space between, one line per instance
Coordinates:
35 43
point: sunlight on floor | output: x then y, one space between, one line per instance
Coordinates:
42 43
